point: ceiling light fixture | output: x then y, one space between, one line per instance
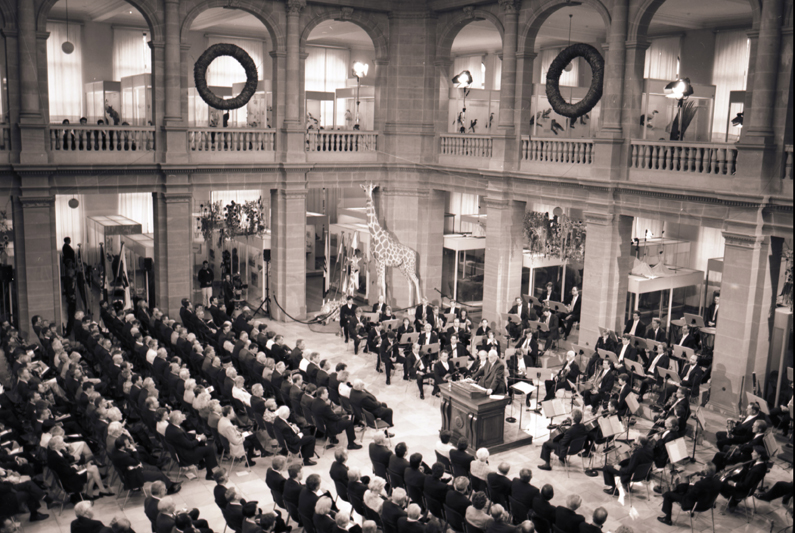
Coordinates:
67 46
360 71
463 81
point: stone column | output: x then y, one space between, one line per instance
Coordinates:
293 121
159 95
756 160
743 332
753 39
12 73
524 96
173 245
31 121
175 129
36 257
608 260
379 75
185 72
502 281
415 217
279 88
288 246
506 149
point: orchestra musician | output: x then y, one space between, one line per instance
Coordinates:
634 326
677 406
626 351
602 386
549 296
690 374
390 355
379 307
569 372
454 308
347 312
553 324
405 327
711 314
428 336
690 338
738 486
623 391
491 376
458 330
528 346
657 360
463 317
641 455
742 453
437 319
521 309
483 329
374 341
688 495
605 342
489 342
670 434
595 434
656 332
574 303
560 443
481 361
456 349
742 432
443 371
421 314
418 367
356 329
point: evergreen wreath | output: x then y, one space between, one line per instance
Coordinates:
597 63
200 76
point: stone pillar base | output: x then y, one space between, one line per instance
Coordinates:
288 253
176 143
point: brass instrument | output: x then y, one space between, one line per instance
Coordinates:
731 423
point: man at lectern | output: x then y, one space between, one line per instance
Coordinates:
491 374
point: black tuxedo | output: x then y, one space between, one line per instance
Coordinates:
367 401
544 509
641 456
640 329
421 314
563 383
436 488
379 455
604 389
391 513
457 502
346 313
523 492
658 335
499 488
531 355
294 442
567 520
423 340
688 495
335 424
744 483
190 449
561 445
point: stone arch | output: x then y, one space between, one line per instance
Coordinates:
356 16
144 7
253 7
539 15
457 23
8 19
639 24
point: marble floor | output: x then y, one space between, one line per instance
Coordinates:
417 423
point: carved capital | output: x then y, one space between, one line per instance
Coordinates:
37 201
347 13
509 6
600 219
638 44
469 12
294 7
177 197
10 32
739 240
393 191
496 203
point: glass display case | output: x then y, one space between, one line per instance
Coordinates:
658 112
198 110
320 111
463 266
345 115
101 95
483 111
736 106
258 112
138 249
545 123
136 99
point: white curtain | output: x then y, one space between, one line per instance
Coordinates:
225 71
69 222
640 225
131 53
462 204
497 73
567 79
474 64
729 73
662 58
326 69
239 197
710 244
65 73
137 206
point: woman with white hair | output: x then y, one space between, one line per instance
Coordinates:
215 414
74 478
375 495
85 523
190 386
480 466
202 404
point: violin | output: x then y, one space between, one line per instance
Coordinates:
734 470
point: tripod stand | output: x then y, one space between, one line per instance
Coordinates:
267 301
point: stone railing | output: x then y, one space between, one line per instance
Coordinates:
231 140
463 145
686 157
337 141
787 162
569 151
105 139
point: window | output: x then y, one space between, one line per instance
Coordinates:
326 70
226 71
65 73
569 78
131 53
137 206
475 66
662 59
729 73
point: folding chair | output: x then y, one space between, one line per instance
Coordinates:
227 454
445 461
342 490
642 474
469 528
126 485
518 511
434 506
702 506
372 422
576 447
454 520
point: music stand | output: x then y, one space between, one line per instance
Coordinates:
535 301
409 338
636 367
608 354
694 320
677 453
700 422
537 410
432 348
683 352
586 351
525 388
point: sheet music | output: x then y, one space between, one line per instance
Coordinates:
677 450
610 426
553 408
632 402
523 387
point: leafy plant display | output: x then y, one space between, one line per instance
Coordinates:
559 237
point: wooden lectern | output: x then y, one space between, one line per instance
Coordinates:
467 411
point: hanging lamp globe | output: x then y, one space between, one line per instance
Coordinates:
74 203
67 47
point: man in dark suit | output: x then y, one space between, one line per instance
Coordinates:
690 374
379 453
126 460
293 486
688 495
642 455
541 505
560 444
574 303
656 360
334 420
347 311
421 314
528 346
743 452
626 350
569 372
434 486
711 314
428 336
293 438
411 522
413 475
521 489
740 486
602 386
634 326
85 523
394 508
599 518
296 354
357 485
499 484
334 383
355 330
492 375
553 325
379 307
519 308
459 456
398 462
190 447
656 332
339 470
457 498
742 432
364 400
669 434
690 338
566 518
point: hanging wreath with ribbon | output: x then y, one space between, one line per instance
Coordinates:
597 64
200 76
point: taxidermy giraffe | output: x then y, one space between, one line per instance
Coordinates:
388 252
